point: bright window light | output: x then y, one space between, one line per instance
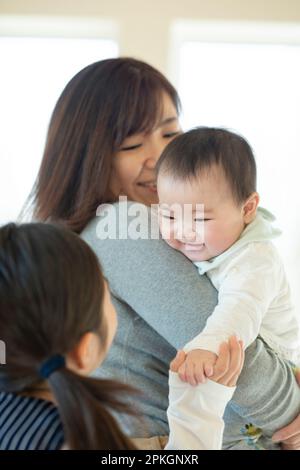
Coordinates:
34 71
251 85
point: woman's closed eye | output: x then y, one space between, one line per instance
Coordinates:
168 135
130 147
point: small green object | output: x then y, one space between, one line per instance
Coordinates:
252 434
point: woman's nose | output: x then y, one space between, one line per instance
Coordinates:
155 149
150 163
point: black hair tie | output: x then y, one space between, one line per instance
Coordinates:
51 365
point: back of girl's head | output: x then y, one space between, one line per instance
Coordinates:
199 149
102 105
51 291
51 294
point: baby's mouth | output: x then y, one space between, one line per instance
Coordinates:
193 246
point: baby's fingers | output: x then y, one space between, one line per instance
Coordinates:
199 374
181 373
190 373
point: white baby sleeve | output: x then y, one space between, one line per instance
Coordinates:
247 287
195 414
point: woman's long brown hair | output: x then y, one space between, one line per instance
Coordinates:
51 293
102 105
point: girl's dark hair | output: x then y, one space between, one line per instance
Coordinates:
51 293
101 106
199 149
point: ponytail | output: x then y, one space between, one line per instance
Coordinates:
84 405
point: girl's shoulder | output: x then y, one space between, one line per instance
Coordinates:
28 422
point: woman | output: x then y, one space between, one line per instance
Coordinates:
107 131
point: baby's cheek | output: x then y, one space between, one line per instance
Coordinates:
165 233
165 230
218 242
172 243
168 234
208 235
213 239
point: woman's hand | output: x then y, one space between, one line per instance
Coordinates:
289 436
177 361
228 365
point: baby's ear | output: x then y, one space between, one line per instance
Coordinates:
250 207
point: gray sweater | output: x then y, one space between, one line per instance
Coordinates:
162 303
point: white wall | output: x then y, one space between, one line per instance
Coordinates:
144 24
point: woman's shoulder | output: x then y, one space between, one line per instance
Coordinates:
122 220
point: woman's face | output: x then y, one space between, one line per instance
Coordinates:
133 172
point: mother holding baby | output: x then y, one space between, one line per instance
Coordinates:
108 129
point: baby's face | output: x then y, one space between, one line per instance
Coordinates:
199 217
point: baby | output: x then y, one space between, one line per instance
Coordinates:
208 210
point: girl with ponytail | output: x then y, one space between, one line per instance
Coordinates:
57 322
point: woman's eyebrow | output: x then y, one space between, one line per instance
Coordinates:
167 121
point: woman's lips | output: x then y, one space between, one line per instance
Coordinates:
149 185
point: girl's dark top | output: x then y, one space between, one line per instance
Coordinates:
29 423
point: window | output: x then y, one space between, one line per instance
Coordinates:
246 77
34 71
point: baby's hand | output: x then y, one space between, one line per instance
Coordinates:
198 365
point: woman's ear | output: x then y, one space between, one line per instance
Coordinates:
250 207
85 355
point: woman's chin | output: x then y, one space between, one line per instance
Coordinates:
143 197
147 197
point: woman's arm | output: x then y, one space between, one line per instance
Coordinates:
289 436
267 394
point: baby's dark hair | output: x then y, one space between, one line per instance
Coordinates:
51 294
199 149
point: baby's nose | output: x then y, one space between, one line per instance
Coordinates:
189 235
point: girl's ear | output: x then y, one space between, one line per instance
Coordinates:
250 207
85 355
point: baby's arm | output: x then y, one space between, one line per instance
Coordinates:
195 414
246 291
